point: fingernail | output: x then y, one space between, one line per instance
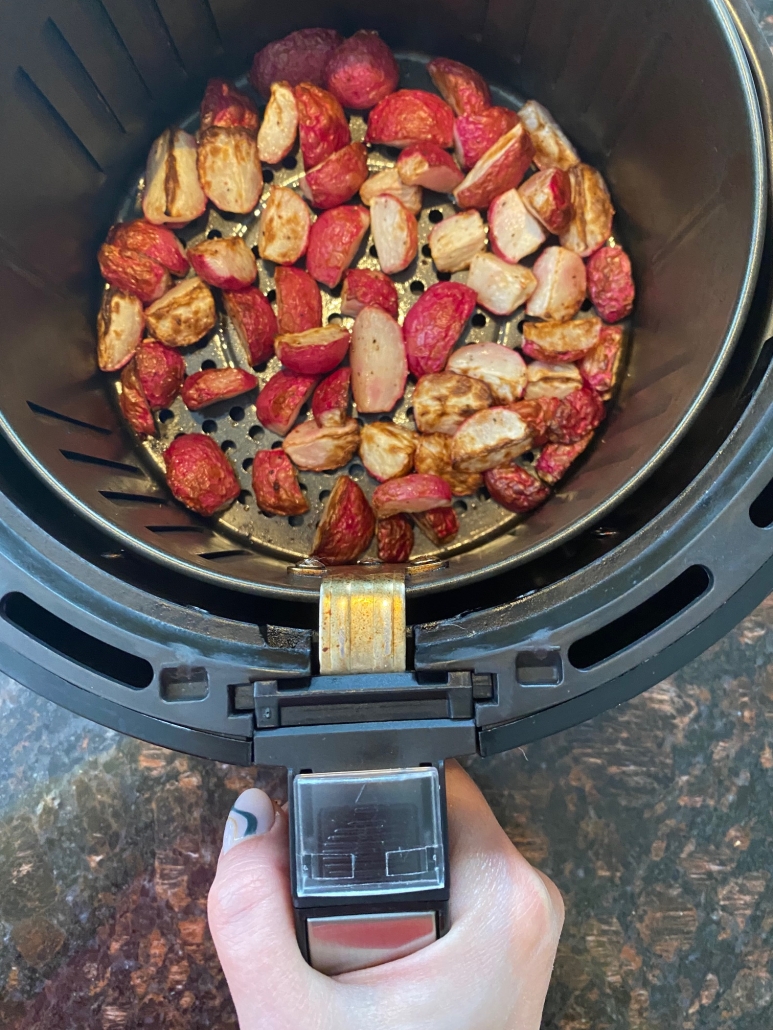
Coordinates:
251 816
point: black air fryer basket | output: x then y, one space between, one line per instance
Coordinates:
124 607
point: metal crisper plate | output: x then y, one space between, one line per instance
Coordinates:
234 425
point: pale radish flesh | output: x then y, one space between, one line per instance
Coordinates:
378 361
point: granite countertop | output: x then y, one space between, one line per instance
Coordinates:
654 819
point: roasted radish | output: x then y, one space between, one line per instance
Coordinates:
276 136
516 489
330 403
551 147
211 385
441 525
546 380
362 71
322 125
599 366
557 342
199 474
428 165
513 232
378 361
280 401
254 322
456 240
314 351
561 285
410 494
303 55
173 193
410 116
337 178
133 402
462 88
501 168
435 323
387 450
443 400
499 286
320 448
555 459
229 169
284 227
347 525
132 272
228 263
394 538
548 195
298 301
334 241
183 315
488 439
433 458
367 287
389 181
591 223
120 324
275 484
161 371
474 134
395 233
501 369
610 283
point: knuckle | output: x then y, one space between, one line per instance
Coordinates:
536 907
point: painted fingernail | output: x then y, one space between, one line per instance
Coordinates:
251 816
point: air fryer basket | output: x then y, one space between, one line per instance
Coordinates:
117 603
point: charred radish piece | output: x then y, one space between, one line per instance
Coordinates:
362 71
314 351
462 88
551 147
513 232
173 193
537 414
575 416
366 287
120 324
378 361
284 227
441 525
199 474
337 178
411 116
546 380
275 484
600 366
591 223
154 241
226 106
161 372
501 168
558 342
320 448
298 301
134 404
455 241
474 134
561 285
322 125
501 369
435 323
516 489
280 401
555 459
499 286
183 315
411 494
443 400
395 233
227 263
347 525
132 272
303 55
433 458
330 403
394 539
428 165
387 450
610 283
254 322
229 168
334 241
548 195
216 384
389 181
276 136
489 439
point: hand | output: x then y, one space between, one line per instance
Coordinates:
490 972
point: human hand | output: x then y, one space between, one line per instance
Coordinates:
490 971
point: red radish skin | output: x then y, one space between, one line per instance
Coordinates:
120 324
610 283
330 403
559 342
133 402
183 315
254 322
435 323
132 272
551 147
463 89
228 263
199 474
501 369
428 165
317 448
442 401
334 241
229 169
173 195
280 401
500 287
161 371
516 489
394 539
347 525
575 416
389 181
275 484
298 301
225 105
211 385
314 351
600 366
362 71
276 136
378 361
367 287
441 525
284 227
411 494
513 232
561 285
322 125
488 439
411 116
433 458
501 168
474 134
537 413
303 55
338 178
154 241
395 233
387 450
591 224
456 240
555 459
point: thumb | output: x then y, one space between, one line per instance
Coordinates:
251 917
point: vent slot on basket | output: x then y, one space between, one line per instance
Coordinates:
29 617
108 463
632 627
761 508
38 409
